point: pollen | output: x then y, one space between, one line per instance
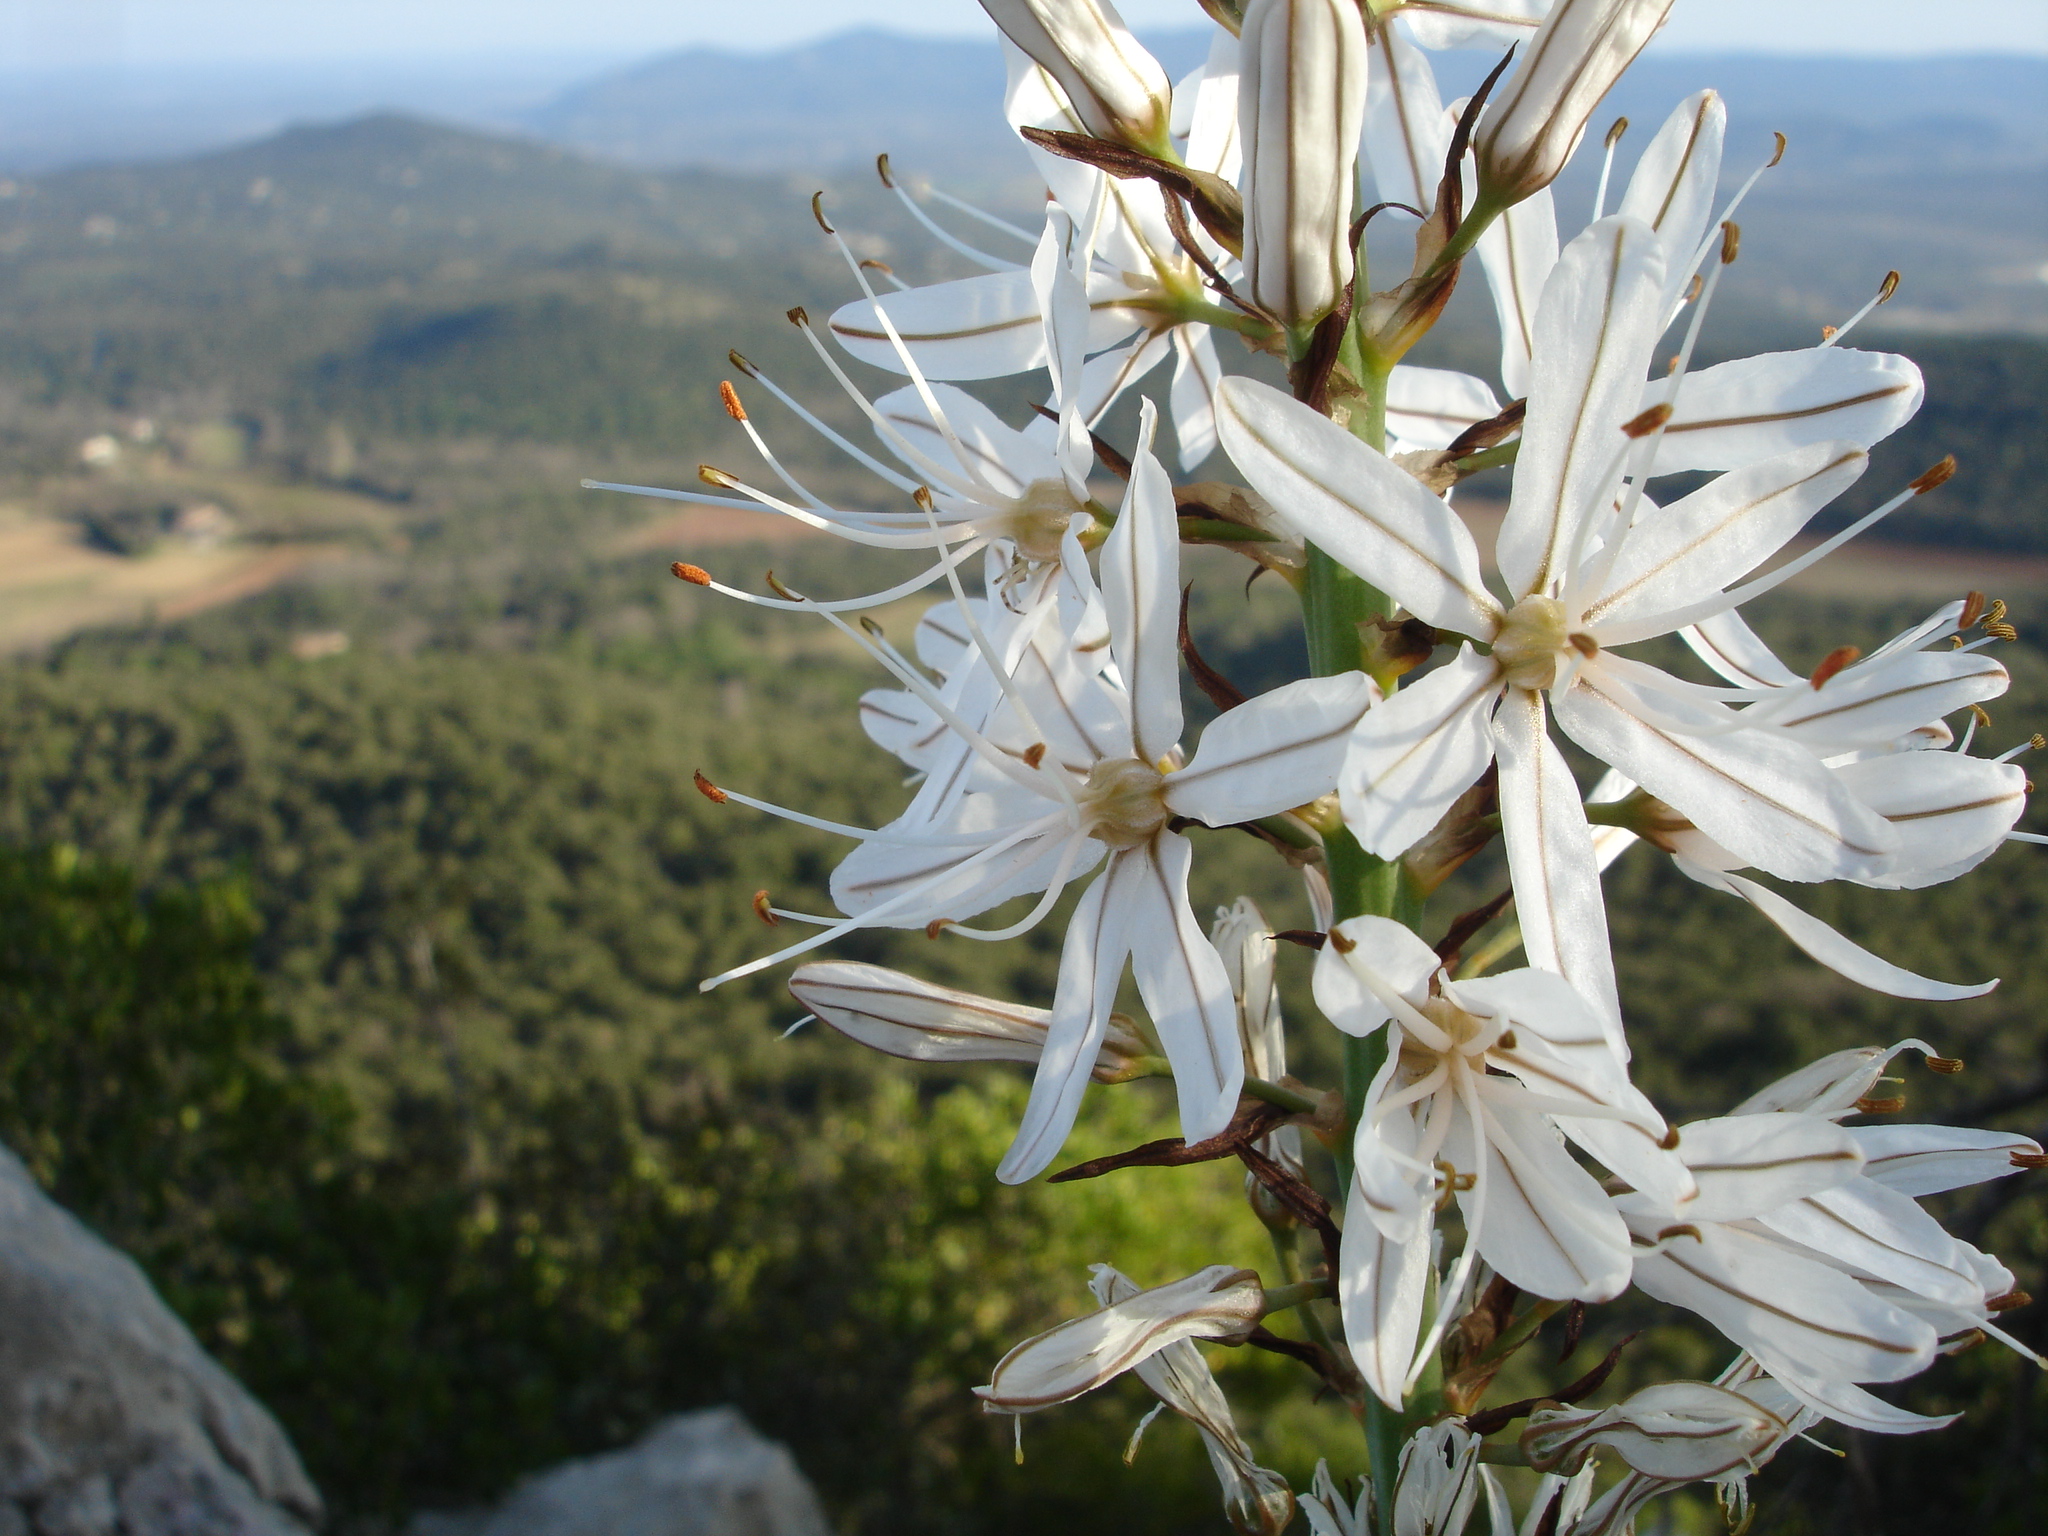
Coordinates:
1034 754
1888 287
717 478
1649 421
1936 475
709 790
731 398
1947 1066
765 912
1778 153
1614 133
2011 1301
1344 946
1973 610
937 926
1731 242
882 170
1874 1106
2033 1160
1832 663
695 575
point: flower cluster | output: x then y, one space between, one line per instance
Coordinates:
1491 1161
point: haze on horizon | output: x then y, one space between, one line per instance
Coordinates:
149 35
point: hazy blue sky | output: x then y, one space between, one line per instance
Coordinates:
45 33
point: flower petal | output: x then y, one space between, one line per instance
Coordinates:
1196 373
1429 407
1595 326
1879 703
1673 187
1551 859
1765 799
1415 753
1873 1231
1518 253
1220 1302
1546 1226
1850 1405
1747 1164
1726 643
1272 753
1406 135
1921 1160
1185 987
1357 505
1785 1308
1738 412
1830 1086
1381 1286
1141 590
1091 969
1718 534
1827 946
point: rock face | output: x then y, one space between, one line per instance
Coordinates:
697 1474
113 1421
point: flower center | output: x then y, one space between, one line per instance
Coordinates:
1123 803
1528 644
1038 519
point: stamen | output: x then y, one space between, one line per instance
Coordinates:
893 539
2033 743
1973 610
1700 253
1947 1066
1876 1106
2010 1301
809 1018
831 434
764 912
709 790
1045 903
980 258
1885 290
963 485
917 378
1607 168
1832 663
871 265
696 575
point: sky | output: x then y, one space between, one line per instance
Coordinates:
146 34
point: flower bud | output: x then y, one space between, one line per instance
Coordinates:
1301 109
1573 61
1116 88
900 1015
1678 1431
1221 1302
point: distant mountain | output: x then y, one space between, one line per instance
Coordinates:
389 182
931 103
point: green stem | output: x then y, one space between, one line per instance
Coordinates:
1285 1098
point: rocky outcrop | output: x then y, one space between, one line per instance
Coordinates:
697 1474
113 1421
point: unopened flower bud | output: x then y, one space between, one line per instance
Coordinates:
1116 88
1221 1302
1573 61
1679 1431
902 1016
1301 109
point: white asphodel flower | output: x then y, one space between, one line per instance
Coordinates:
1726 416
1143 295
1531 129
1678 1431
1876 722
1805 1245
974 483
1438 1481
1220 1303
1586 576
1481 1077
1116 87
1244 939
1744 1382
1256 1500
1330 1513
918 1020
1074 771
1301 108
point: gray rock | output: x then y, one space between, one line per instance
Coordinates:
113 1421
696 1474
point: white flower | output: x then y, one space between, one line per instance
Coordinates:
919 1020
1576 56
1257 1501
1330 1513
1301 108
1480 1078
1116 87
1876 722
1219 1303
1142 295
1679 1431
1437 1484
1587 576
1244 939
1074 769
